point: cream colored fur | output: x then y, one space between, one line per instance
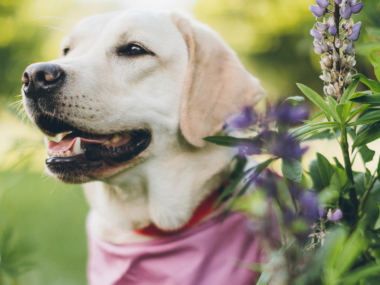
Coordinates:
182 94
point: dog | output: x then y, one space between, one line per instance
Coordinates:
125 108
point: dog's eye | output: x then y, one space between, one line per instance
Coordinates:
131 50
66 51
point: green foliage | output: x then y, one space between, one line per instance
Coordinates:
292 169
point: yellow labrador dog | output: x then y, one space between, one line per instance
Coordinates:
125 108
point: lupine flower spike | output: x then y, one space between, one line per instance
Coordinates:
334 41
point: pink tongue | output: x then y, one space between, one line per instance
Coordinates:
68 143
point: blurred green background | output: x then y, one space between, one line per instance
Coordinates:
42 222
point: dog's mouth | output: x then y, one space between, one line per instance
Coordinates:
71 148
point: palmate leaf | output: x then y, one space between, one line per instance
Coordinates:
323 135
227 140
367 99
305 130
317 100
326 170
366 153
369 117
370 134
292 169
350 90
343 110
372 84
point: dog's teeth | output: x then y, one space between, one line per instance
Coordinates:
77 149
116 138
61 154
46 140
68 153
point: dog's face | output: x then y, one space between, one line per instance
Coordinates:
126 87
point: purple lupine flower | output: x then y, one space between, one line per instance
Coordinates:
346 14
350 49
317 47
322 3
334 216
356 8
316 34
325 46
332 31
287 114
357 27
317 11
338 2
309 204
249 148
285 146
321 27
321 211
243 119
267 181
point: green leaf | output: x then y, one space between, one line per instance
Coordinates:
305 130
363 272
326 134
326 170
366 99
315 176
332 103
370 211
367 47
229 189
371 134
366 153
372 84
350 90
343 110
292 169
295 99
227 140
357 111
317 100
375 59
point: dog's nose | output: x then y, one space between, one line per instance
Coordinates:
41 76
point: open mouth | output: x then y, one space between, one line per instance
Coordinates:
79 149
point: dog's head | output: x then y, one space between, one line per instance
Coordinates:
127 87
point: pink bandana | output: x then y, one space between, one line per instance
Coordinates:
205 254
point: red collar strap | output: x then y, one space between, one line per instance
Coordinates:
201 212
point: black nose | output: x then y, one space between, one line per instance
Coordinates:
39 77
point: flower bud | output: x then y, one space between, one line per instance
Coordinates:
351 61
316 34
356 8
325 46
335 56
331 22
327 60
329 90
325 76
324 66
338 43
322 3
350 49
334 76
321 27
346 14
317 11
317 47
343 61
335 216
332 31
354 36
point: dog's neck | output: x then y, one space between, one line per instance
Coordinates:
164 192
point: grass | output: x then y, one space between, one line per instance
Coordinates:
50 217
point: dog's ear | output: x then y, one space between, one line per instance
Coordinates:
217 83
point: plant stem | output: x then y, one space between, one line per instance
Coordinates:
348 168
